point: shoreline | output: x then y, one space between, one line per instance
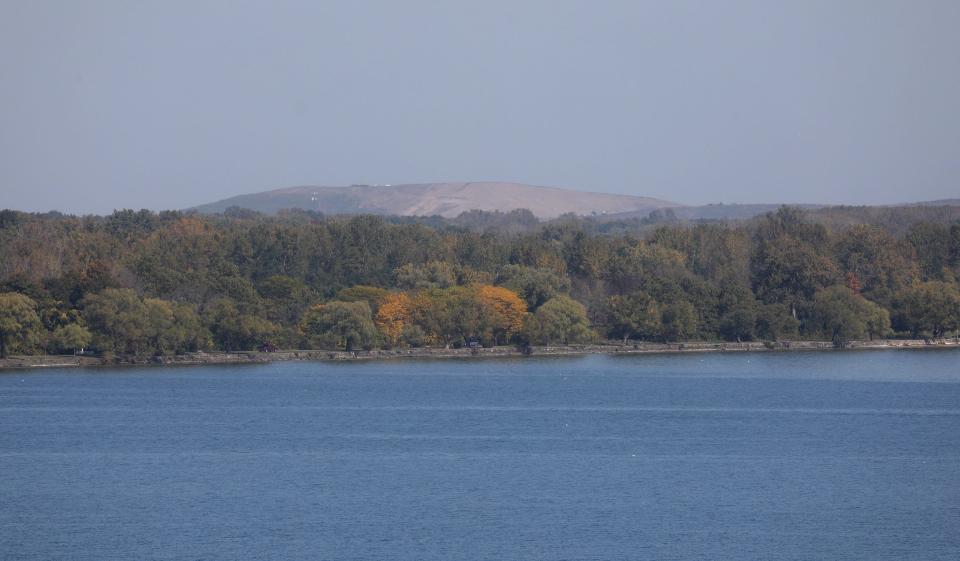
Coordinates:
20 362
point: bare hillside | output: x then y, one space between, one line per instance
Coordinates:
444 199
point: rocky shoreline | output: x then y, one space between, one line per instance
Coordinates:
245 357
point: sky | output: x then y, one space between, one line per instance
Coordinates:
169 104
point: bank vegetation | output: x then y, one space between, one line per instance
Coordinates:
144 284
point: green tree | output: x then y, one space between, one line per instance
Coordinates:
678 321
559 320
790 271
122 322
432 274
440 314
69 338
738 313
931 308
955 249
413 336
374 296
535 286
931 242
788 265
583 255
286 298
19 323
119 322
878 321
843 315
878 261
174 327
775 322
344 324
236 331
634 266
634 316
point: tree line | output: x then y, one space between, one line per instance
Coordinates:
143 283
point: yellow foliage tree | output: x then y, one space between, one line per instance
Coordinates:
509 309
394 314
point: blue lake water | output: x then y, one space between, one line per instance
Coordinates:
762 456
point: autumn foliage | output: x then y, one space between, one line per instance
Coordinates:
484 313
144 283
507 307
394 314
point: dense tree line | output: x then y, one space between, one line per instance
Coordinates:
145 283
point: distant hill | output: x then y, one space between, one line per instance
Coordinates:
450 200
444 199
939 202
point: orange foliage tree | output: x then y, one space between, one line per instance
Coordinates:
509 310
395 312
491 314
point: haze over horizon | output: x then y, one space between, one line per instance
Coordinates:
110 104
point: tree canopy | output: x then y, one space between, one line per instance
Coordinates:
144 283
19 323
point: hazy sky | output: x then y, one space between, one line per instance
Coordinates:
167 104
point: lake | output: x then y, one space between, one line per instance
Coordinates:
752 456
